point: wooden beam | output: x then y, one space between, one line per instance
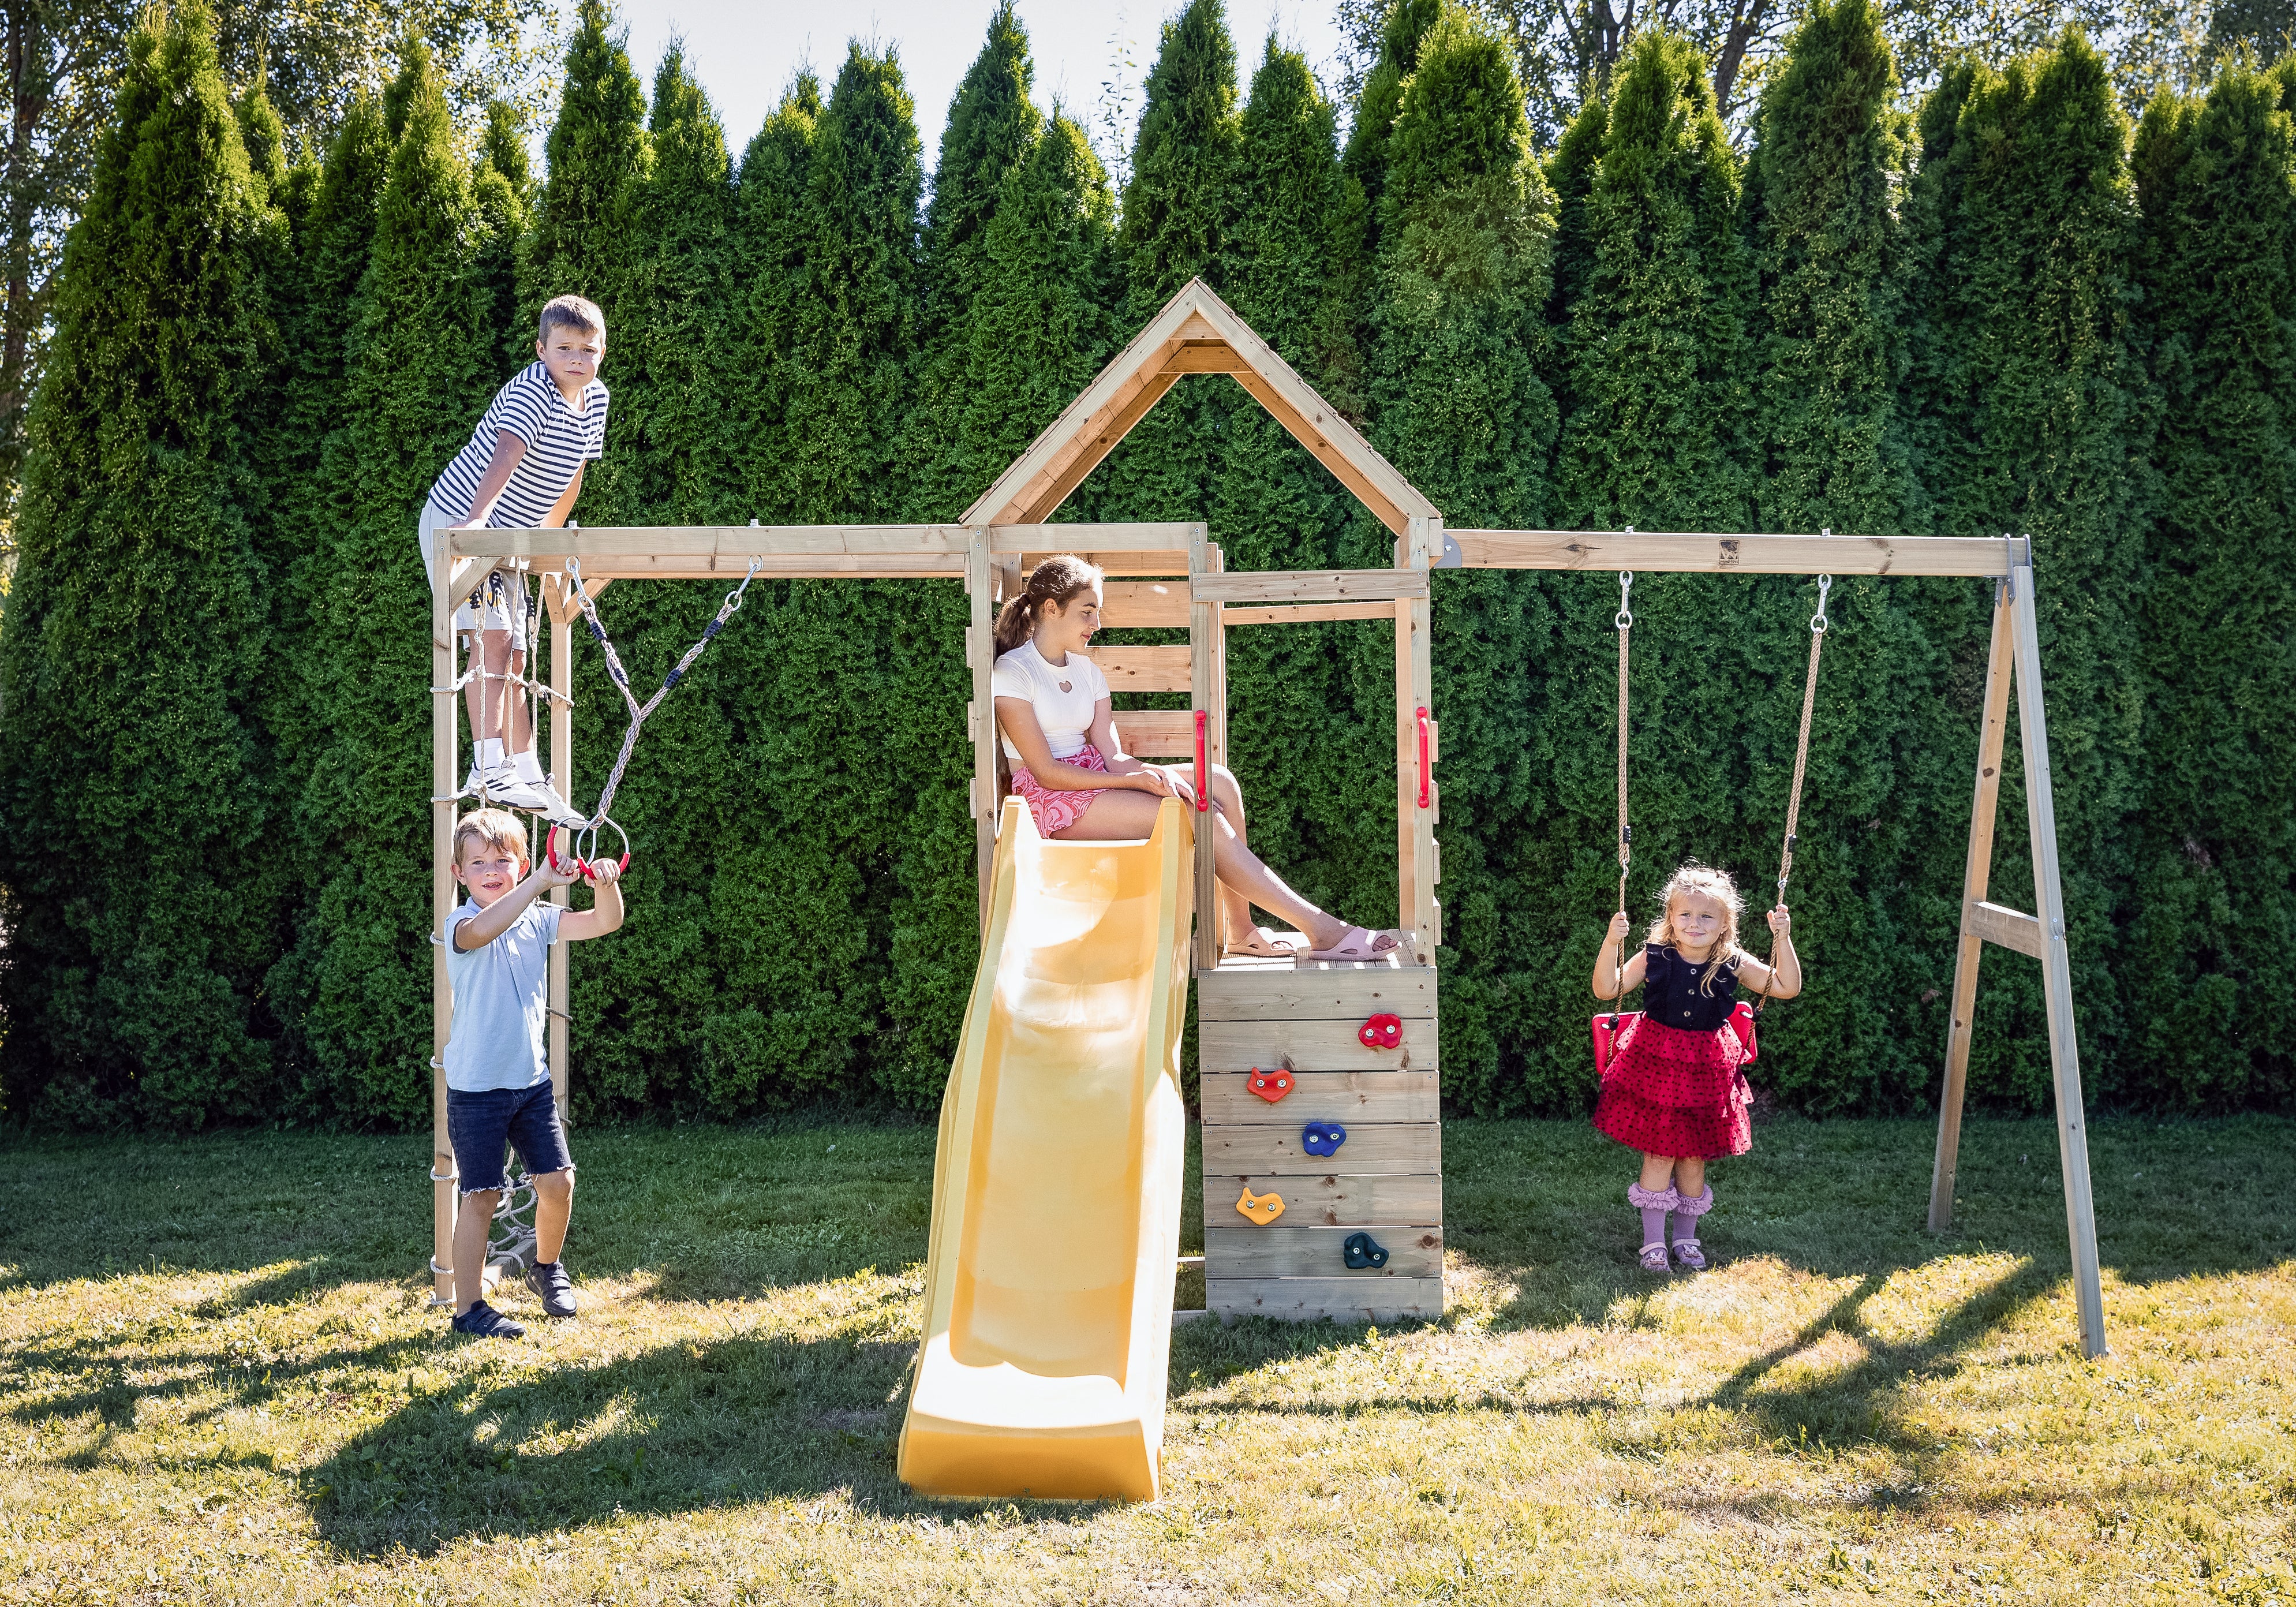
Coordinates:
729 571
1142 668
1977 869
1312 431
1145 604
979 656
446 726
1309 613
1154 562
1209 356
1310 585
2056 965
1656 552
2011 929
1044 498
913 541
1170 538
1157 733
1416 865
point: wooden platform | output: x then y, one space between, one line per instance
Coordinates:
1386 1179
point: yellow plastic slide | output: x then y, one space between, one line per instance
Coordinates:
1056 1185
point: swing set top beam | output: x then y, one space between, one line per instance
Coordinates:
1658 552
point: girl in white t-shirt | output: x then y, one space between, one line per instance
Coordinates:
1060 737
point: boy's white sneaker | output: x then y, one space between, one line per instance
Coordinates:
505 789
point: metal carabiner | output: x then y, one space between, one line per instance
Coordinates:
1818 621
1626 584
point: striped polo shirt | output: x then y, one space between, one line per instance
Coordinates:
557 441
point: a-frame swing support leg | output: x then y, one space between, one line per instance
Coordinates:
2016 643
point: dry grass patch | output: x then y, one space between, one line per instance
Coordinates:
220 1382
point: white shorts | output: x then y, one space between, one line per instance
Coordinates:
497 603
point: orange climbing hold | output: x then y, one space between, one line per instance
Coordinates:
1262 1208
1270 1086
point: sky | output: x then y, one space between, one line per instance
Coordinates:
745 51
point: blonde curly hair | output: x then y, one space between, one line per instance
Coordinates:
1707 882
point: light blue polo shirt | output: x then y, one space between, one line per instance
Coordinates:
501 998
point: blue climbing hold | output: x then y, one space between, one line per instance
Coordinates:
1323 1137
1362 1251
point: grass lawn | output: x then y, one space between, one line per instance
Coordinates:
219 1382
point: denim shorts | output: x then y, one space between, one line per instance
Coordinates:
481 1121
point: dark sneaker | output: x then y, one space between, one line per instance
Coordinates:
483 1321
548 1279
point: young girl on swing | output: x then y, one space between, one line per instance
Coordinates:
1053 709
1674 1088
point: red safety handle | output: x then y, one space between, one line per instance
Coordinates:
1203 793
1426 764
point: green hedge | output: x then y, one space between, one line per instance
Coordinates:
2002 309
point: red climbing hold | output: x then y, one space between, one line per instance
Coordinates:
1383 1032
1270 1086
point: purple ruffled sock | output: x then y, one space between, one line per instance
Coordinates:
1687 1209
1653 1204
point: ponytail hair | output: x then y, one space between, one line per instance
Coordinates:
1059 580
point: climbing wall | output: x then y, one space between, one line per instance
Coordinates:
1319 1091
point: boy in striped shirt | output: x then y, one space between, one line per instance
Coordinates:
522 469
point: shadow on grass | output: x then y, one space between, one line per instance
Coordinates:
683 1428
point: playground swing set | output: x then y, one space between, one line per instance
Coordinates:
1044 1373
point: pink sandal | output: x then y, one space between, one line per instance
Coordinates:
1357 943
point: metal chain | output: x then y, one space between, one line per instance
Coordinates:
639 711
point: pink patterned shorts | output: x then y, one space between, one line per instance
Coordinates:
1056 812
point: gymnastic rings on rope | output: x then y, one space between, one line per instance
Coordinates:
582 864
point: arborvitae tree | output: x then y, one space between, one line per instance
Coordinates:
2215 912
358 986
1571 174
1829 155
825 807
675 287
1657 339
992 125
767 286
1458 406
596 154
138 860
2037 408
1291 271
1180 200
1882 812
1366 156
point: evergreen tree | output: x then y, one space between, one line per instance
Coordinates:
2215 909
1571 174
1657 344
357 985
1820 184
1366 156
992 126
132 667
1176 208
1459 407
2037 405
597 154
1290 260
767 282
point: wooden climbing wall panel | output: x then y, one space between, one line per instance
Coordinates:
1301 1028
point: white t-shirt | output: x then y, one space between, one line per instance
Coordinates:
1065 715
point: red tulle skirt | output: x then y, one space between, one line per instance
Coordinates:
1673 1093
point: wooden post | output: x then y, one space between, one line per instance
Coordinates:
1976 873
2056 968
980 714
561 777
445 727
1204 677
1218 744
1415 847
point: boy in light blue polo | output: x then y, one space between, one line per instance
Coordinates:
498 1075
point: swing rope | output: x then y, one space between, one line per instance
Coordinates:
1818 627
1625 622
639 711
